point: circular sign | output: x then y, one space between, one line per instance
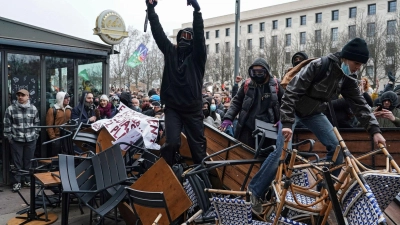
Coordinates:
110 27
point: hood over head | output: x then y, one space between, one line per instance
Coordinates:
206 114
302 54
60 99
264 64
126 98
391 96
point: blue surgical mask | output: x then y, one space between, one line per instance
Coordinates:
345 68
213 107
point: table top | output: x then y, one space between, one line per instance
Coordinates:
47 179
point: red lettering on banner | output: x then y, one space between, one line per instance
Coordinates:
110 122
121 108
154 129
115 129
125 126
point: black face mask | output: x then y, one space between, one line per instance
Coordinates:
184 44
206 112
296 63
258 79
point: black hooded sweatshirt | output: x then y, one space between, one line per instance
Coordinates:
181 85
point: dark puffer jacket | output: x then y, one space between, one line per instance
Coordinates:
247 104
303 97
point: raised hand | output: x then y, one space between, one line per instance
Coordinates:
194 4
151 3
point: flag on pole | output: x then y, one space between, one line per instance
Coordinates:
84 74
138 56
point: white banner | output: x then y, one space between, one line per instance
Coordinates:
127 119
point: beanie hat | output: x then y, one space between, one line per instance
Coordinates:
356 50
301 54
104 97
155 98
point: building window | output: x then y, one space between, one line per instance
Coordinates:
334 34
318 17
217 63
352 12
370 29
275 24
288 40
303 20
250 28
217 48
227 47
391 27
302 38
208 35
288 57
207 49
274 41
318 36
262 26
335 15
352 31
369 70
249 44
262 42
372 9
216 33
392 6
288 22
228 32
390 49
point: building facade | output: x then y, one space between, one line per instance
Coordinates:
315 27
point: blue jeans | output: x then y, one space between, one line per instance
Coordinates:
322 129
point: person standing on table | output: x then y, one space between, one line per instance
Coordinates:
19 117
305 101
184 66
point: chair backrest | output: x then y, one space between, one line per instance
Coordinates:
385 186
198 185
232 211
109 167
360 206
140 199
77 174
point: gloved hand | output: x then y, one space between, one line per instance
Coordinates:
151 4
225 124
194 4
391 77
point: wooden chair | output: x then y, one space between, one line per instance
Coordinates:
231 210
140 200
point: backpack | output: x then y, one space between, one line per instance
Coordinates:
248 80
291 73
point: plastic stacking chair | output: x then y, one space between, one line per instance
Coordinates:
94 176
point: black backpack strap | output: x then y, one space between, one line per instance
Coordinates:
55 114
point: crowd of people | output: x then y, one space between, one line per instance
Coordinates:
316 94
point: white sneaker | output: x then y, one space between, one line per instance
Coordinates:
16 187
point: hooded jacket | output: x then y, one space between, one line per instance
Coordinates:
248 105
87 112
62 115
303 97
181 84
302 54
126 98
392 97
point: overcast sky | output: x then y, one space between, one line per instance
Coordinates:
78 17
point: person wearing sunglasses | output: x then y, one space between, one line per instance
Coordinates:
181 88
19 117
